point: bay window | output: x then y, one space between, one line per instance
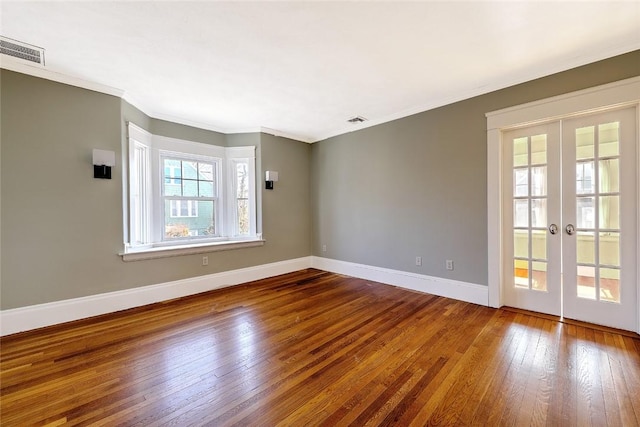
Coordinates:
185 194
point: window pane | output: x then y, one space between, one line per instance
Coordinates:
586 282
539 244
539 276
539 213
521 182
609 176
189 170
610 249
521 273
585 248
242 190
521 213
521 243
172 177
538 149
610 212
206 225
189 188
172 168
188 218
584 178
205 189
584 142
520 152
243 217
181 208
610 284
608 139
539 181
174 188
585 213
206 171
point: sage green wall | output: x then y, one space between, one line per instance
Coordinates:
380 196
62 229
286 210
417 186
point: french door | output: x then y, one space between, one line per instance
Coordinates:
570 218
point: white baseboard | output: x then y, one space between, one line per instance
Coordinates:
41 315
455 289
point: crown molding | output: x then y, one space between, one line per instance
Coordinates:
288 135
525 76
12 64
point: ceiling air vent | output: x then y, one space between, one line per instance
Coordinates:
22 51
357 119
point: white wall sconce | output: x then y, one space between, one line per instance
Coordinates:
271 177
103 160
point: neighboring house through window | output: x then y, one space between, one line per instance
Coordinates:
183 208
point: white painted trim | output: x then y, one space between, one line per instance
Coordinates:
38 316
526 76
638 212
599 98
275 132
455 289
180 120
604 97
12 64
18 66
494 217
41 315
137 254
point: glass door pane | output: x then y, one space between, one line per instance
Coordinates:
600 187
597 209
532 190
530 211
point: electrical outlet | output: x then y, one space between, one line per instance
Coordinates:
449 264
324 248
418 260
205 260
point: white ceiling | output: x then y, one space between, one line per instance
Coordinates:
301 69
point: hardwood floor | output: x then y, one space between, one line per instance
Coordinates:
315 348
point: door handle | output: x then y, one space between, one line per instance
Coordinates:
553 229
570 229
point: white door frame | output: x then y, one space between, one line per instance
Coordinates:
600 98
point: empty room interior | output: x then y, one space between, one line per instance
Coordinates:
320 213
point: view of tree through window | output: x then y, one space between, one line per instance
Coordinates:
242 198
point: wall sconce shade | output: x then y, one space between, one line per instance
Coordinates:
103 160
271 177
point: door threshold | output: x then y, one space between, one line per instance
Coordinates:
573 322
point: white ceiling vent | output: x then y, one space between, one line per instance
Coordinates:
22 51
357 119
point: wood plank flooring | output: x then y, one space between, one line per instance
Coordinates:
318 349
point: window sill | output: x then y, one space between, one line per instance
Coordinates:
171 251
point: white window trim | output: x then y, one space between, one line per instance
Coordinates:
165 252
234 156
153 148
596 99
